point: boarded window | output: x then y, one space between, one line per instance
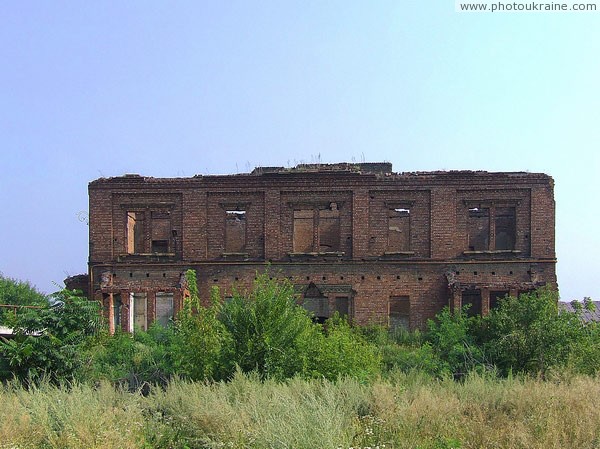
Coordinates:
135 232
329 229
235 231
472 298
478 227
342 306
399 312
303 231
139 311
399 230
161 231
506 228
164 308
495 297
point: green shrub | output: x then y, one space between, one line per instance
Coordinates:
528 335
130 360
47 341
200 340
340 350
267 329
452 338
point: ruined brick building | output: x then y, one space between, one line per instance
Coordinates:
353 238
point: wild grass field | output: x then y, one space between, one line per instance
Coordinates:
258 372
403 411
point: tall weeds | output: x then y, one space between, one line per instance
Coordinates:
403 411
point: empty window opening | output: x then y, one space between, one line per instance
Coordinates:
329 229
303 231
399 230
478 228
496 297
399 312
164 308
316 303
317 230
342 306
161 231
235 231
472 298
135 232
160 246
138 311
505 228
117 309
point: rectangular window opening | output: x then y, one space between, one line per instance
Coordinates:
473 299
342 306
138 310
505 228
161 231
235 231
496 297
117 308
399 229
135 232
329 229
478 228
164 308
318 307
303 231
399 312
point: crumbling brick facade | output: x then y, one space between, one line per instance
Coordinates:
359 239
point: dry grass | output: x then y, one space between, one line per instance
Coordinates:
406 412
75 417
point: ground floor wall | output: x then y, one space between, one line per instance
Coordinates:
391 293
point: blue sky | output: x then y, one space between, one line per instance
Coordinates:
91 89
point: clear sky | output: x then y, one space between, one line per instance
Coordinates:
91 89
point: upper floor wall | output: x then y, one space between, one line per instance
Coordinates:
339 212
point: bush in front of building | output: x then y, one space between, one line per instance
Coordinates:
47 341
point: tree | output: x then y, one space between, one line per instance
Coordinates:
15 292
47 340
528 335
267 328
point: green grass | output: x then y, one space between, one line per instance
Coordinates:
403 411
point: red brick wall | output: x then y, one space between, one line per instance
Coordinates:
438 202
